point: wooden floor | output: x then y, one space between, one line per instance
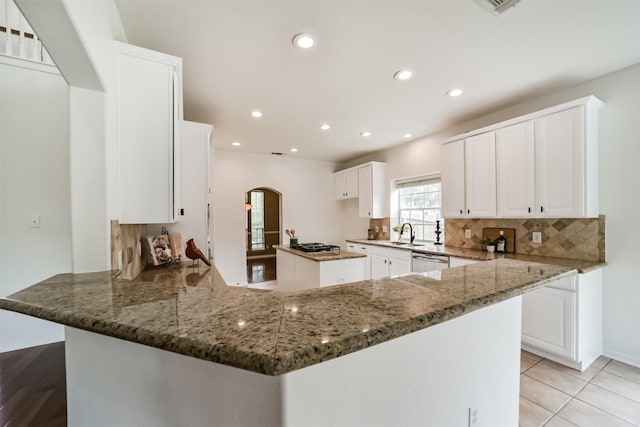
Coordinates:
261 270
33 387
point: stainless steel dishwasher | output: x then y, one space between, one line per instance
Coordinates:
421 263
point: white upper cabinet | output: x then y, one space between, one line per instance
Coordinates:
366 183
515 170
469 177
480 175
560 153
371 203
452 178
149 105
345 184
545 164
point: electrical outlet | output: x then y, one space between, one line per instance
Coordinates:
35 221
377 229
473 415
536 237
385 229
467 234
119 260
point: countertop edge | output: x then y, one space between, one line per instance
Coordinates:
486 256
137 335
321 256
285 363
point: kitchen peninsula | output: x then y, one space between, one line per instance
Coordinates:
404 350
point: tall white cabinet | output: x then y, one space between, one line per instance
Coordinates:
196 187
149 105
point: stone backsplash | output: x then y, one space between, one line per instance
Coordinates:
573 238
127 238
380 223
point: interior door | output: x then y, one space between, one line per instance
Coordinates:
263 222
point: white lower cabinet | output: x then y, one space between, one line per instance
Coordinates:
387 262
563 320
297 273
366 265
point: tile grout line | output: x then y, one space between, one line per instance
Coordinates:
604 410
574 397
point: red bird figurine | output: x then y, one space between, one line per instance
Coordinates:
192 252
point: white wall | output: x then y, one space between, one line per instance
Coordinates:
619 135
34 180
307 203
78 35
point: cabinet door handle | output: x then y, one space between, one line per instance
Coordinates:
389 262
468 211
385 261
460 211
541 209
529 209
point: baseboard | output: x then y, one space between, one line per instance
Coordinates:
623 357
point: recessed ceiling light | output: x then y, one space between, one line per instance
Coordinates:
235 144
403 75
325 127
256 114
365 133
303 40
293 150
407 135
454 92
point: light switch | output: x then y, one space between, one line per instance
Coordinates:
385 229
467 233
536 237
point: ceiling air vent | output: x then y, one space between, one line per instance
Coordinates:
276 153
498 6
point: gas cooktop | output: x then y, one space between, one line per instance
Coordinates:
316 247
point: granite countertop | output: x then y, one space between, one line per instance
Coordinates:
191 311
321 256
581 266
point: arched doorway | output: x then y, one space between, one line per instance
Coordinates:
263 232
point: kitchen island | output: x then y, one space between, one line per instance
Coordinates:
299 270
396 351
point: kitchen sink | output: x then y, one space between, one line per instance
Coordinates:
410 245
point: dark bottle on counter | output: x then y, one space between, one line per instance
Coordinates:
501 243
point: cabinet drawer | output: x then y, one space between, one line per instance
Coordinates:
377 250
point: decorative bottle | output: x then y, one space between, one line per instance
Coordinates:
501 243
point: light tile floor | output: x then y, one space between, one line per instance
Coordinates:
552 395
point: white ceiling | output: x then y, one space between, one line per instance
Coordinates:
237 57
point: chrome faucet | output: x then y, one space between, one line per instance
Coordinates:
412 235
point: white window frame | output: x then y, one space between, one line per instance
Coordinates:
424 229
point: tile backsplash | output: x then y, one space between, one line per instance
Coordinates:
126 238
380 223
573 238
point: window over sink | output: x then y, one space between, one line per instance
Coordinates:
420 204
